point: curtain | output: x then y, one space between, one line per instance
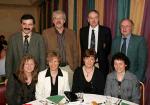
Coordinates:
110 15
122 12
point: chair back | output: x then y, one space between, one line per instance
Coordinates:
142 90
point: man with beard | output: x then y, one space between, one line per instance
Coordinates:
20 44
63 41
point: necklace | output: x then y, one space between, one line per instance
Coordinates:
88 73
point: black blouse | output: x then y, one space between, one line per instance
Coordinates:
95 86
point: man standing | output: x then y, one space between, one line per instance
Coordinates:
63 41
98 38
133 46
21 43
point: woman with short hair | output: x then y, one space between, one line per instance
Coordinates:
121 83
53 80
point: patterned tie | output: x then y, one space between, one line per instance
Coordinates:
123 48
26 44
93 40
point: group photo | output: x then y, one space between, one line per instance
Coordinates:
74 52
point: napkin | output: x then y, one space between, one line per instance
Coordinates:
56 99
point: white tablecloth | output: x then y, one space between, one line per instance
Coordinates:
88 99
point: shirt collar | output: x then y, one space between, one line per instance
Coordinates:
58 32
96 28
126 76
128 36
26 34
48 74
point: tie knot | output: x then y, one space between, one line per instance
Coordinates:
92 30
26 36
124 39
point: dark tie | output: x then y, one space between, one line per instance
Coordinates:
123 48
26 44
93 40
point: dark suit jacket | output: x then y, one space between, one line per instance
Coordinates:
97 81
15 52
50 38
136 52
103 49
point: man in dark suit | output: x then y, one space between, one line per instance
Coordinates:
135 48
20 44
102 40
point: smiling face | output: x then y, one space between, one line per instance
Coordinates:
93 19
126 27
27 26
29 66
119 66
53 63
89 61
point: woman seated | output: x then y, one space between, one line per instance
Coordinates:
53 80
88 78
121 83
24 82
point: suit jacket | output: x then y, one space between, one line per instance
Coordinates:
103 49
129 89
97 81
15 52
50 37
136 52
43 87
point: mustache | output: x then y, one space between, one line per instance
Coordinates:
26 28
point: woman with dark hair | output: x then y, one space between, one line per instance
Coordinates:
121 83
24 82
88 78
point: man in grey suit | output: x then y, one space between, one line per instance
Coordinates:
133 46
21 43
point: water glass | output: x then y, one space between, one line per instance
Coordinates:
80 97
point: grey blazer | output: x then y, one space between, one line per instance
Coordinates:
15 51
136 52
129 87
15 54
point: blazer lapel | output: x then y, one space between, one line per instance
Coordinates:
31 43
20 44
47 86
86 36
60 85
130 46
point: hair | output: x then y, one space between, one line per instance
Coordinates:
132 23
93 11
90 53
59 12
122 57
21 75
52 54
26 17
1 47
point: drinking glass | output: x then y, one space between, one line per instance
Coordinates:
80 97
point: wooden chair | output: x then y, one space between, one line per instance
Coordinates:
142 90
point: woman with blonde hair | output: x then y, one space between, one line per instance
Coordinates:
53 80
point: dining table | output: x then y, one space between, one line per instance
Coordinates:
88 99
